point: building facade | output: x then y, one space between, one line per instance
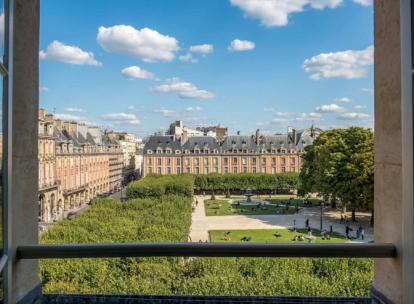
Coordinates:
76 164
269 154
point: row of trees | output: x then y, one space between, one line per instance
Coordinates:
156 186
262 183
340 165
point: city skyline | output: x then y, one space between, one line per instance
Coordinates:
137 67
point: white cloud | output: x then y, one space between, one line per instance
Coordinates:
330 108
364 2
146 44
279 120
322 4
194 109
281 114
202 48
369 90
75 110
58 51
360 107
135 109
188 58
69 117
166 112
183 89
121 118
135 72
273 13
347 64
308 116
353 116
43 89
238 45
343 99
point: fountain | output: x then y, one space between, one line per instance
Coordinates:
248 195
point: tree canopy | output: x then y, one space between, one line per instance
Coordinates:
340 164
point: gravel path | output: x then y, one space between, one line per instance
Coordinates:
201 223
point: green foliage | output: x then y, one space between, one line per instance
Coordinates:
340 164
157 186
241 181
168 219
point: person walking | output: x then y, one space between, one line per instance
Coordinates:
307 223
362 233
342 219
294 225
347 229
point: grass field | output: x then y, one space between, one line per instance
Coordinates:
314 201
268 236
223 207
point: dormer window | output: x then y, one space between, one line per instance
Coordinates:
187 151
159 151
177 152
197 150
149 151
168 151
206 150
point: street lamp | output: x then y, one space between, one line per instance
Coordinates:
322 204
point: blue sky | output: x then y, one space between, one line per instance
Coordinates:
246 64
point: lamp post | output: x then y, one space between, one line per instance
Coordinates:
322 204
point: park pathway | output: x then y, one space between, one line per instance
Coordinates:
201 223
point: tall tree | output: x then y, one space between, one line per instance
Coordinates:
340 164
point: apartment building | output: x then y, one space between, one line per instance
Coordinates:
257 153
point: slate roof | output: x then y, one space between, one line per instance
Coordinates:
163 142
201 142
270 143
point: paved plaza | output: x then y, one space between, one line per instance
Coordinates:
201 223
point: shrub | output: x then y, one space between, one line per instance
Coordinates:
241 181
157 186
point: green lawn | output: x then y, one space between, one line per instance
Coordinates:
264 197
223 207
313 201
268 236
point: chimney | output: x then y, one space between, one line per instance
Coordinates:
238 132
184 137
41 113
257 136
292 134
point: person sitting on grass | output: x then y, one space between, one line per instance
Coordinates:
246 239
226 237
277 234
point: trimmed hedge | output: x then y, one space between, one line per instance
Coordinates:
241 181
154 186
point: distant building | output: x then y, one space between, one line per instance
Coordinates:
232 154
128 144
217 132
76 163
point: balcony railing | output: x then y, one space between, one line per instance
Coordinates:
114 250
